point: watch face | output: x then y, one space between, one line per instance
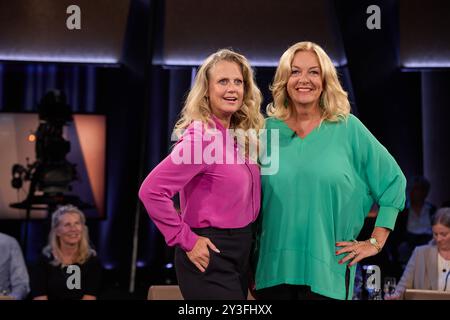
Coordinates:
373 240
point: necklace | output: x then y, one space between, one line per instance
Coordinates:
445 266
444 263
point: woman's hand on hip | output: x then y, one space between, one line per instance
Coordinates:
199 255
356 251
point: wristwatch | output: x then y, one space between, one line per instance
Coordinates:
373 241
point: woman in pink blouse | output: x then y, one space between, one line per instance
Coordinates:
213 168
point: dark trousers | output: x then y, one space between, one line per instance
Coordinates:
226 277
288 292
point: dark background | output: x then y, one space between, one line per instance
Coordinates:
397 78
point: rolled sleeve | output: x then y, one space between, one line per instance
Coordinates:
386 217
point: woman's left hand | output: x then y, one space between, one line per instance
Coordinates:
357 250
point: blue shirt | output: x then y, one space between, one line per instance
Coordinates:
420 223
14 280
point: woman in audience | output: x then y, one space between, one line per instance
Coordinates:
68 268
429 266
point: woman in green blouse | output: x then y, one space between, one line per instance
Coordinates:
331 171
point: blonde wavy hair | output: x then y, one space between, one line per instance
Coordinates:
54 245
197 107
333 101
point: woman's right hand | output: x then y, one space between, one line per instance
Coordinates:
199 255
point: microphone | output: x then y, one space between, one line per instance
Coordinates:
446 279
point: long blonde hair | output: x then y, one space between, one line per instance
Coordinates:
334 100
197 108
54 245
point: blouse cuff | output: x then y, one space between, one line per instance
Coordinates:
189 241
386 217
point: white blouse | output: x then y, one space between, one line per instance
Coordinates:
443 273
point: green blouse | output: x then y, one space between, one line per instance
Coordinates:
321 194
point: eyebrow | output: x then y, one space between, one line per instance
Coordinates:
294 66
72 222
225 78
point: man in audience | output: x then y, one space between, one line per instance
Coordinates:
14 281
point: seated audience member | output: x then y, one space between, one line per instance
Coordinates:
55 277
14 281
413 227
429 266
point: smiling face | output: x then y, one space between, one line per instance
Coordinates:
69 229
304 85
225 88
441 235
